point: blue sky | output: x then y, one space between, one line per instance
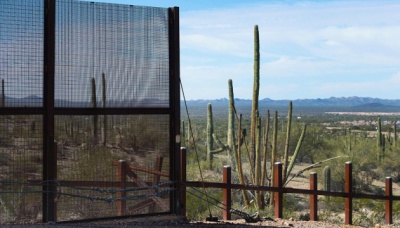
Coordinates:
309 49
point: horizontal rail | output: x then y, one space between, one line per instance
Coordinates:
199 184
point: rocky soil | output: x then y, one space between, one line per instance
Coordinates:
177 221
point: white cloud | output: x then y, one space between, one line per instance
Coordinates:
346 46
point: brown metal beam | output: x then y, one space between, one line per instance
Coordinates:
389 203
313 197
226 194
121 204
278 196
348 188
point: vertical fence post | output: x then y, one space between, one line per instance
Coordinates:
182 180
279 194
389 203
226 193
348 188
49 159
121 205
313 197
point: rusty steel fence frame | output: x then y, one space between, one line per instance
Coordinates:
48 112
278 190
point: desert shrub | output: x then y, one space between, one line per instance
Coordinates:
197 207
367 212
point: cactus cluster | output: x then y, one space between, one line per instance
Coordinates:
257 156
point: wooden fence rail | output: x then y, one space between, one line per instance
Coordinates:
278 191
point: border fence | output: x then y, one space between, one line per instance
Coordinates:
85 86
278 190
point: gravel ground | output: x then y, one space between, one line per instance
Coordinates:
176 221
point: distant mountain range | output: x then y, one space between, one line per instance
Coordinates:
353 104
332 101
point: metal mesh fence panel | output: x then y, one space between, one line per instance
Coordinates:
89 165
127 44
107 68
21 48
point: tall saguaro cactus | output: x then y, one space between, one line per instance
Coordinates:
256 89
94 105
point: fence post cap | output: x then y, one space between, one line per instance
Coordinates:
121 161
227 166
277 163
349 162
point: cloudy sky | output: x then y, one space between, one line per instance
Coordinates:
309 49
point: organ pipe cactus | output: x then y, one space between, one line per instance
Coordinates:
239 162
296 152
288 128
380 138
210 131
273 152
327 180
3 95
348 139
211 137
231 126
103 82
258 173
395 133
94 105
264 165
183 131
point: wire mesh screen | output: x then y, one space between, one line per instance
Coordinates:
20 164
106 55
89 165
120 51
21 48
